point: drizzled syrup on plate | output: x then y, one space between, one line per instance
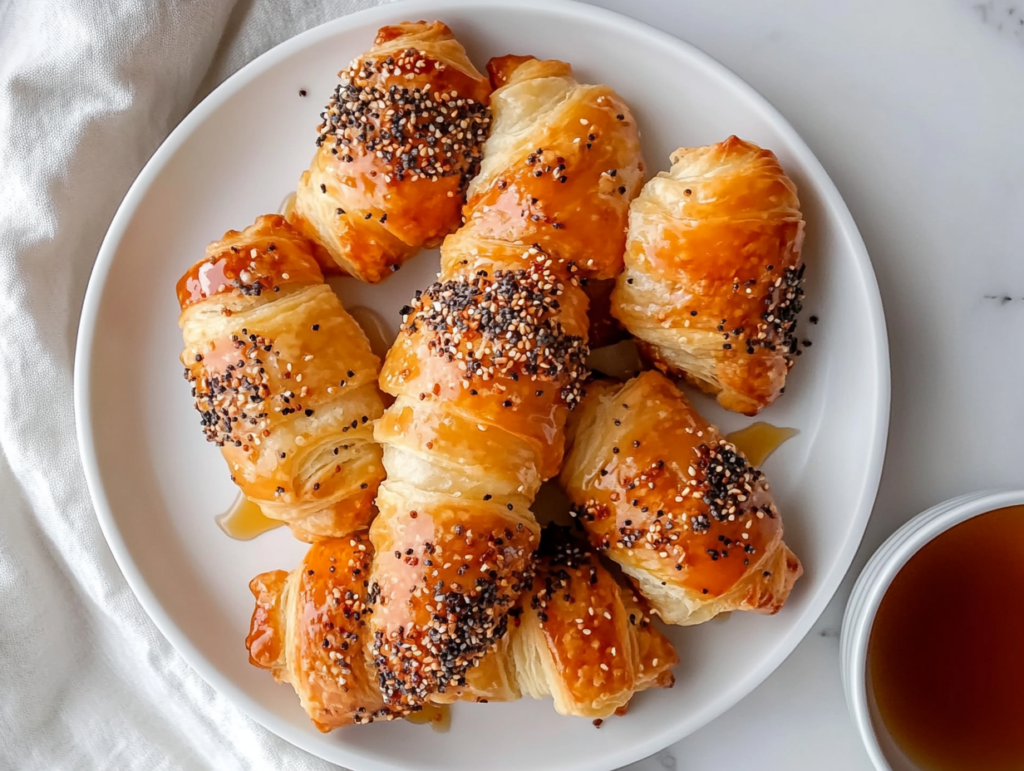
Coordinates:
244 521
759 440
439 716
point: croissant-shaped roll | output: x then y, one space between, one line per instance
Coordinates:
399 141
284 379
664 495
712 285
577 634
561 165
309 628
486 366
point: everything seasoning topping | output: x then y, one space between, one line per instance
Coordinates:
658 506
233 404
233 393
776 328
726 481
506 324
416 132
559 557
467 589
339 612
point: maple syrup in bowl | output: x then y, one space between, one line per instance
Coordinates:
933 640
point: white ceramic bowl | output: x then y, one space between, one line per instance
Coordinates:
867 595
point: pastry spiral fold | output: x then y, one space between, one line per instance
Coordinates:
576 634
662 493
713 280
283 379
400 139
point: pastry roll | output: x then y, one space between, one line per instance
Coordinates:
577 634
561 166
712 286
486 366
400 139
662 493
283 379
309 629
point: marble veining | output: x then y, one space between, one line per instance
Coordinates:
1003 299
1006 16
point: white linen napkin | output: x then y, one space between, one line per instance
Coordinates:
88 90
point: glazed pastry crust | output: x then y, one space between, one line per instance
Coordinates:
469 416
284 380
309 628
582 637
399 142
448 572
486 365
577 633
561 165
663 494
712 285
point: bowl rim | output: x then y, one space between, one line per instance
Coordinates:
874 328
873 584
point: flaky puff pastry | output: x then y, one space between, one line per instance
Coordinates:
309 628
486 366
561 165
284 379
399 141
576 634
712 285
662 493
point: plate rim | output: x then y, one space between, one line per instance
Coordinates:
831 578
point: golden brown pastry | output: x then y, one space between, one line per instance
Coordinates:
577 635
309 629
486 366
560 168
712 286
399 141
284 379
663 494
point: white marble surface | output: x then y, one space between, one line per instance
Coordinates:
916 109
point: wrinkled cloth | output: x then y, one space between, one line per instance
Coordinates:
88 91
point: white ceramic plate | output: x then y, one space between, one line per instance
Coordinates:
157 485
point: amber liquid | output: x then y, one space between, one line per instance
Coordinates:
244 520
439 717
380 336
946 653
759 440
